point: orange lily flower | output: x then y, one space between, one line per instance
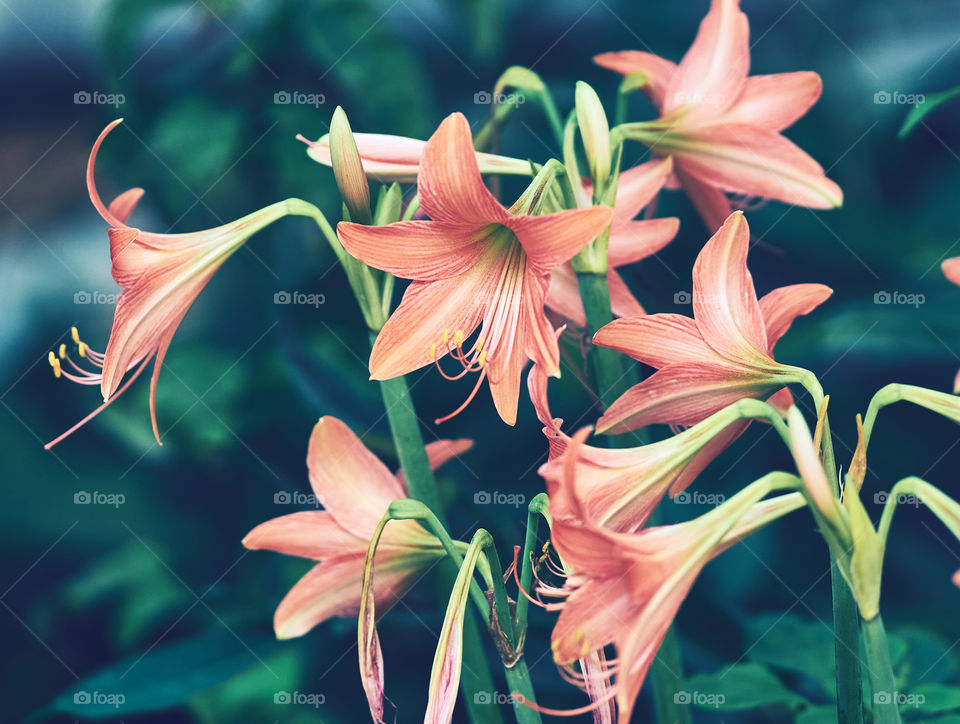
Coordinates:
721 355
474 264
951 270
356 489
630 241
723 126
388 158
160 276
625 589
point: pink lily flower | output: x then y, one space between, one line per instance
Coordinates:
160 276
389 159
723 126
721 355
474 264
356 489
630 241
951 270
625 589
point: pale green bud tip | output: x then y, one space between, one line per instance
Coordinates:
595 132
347 167
516 76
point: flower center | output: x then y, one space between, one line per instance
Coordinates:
76 373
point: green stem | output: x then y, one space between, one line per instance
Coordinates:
476 682
883 685
846 615
553 115
518 681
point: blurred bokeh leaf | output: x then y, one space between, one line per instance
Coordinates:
742 686
931 102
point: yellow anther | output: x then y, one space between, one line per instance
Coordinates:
458 338
82 348
482 359
433 351
75 334
584 648
445 338
479 345
63 351
54 362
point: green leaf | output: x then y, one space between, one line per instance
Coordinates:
793 644
166 676
920 111
934 698
741 686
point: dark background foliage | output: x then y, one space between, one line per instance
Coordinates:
93 588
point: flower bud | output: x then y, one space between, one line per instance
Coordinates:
348 169
595 132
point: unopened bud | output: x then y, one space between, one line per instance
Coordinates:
595 132
348 169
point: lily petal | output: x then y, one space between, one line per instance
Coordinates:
657 339
635 240
659 70
710 202
951 269
122 206
451 188
725 304
308 533
776 101
783 305
551 240
714 70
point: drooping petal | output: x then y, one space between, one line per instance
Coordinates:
308 534
776 101
657 339
349 480
659 70
95 199
590 618
440 451
783 305
332 588
725 304
421 250
684 394
426 311
713 73
541 340
635 240
122 206
554 239
505 374
746 159
451 188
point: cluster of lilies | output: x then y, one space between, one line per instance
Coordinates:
491 289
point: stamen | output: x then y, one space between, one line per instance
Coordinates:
433 351
75 334
55 363
63 351
466 402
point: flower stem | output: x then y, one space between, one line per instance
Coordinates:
476 682
846 616
882 682
612 381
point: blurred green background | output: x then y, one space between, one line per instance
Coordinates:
156 599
